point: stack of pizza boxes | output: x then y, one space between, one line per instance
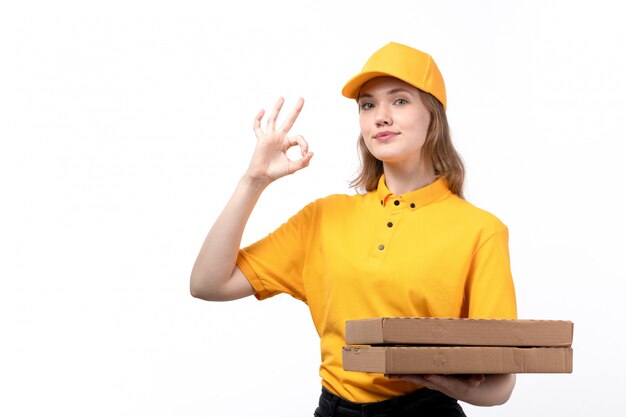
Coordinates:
408 345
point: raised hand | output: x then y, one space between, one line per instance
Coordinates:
269 161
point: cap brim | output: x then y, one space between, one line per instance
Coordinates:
353 86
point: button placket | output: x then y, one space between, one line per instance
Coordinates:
387 228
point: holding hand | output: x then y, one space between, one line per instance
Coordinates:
453 386
484 390
269 161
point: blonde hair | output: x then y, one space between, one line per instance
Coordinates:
438 148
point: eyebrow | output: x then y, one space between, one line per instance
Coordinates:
390 92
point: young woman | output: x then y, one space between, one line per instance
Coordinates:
409 245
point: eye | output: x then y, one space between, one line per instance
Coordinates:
400 101
366 106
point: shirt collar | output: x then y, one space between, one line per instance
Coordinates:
413 199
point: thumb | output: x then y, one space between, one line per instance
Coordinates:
302 162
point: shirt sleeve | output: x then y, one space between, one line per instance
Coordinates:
490 292
274 264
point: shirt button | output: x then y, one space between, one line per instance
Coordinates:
381 247
397 203
389 224
412 205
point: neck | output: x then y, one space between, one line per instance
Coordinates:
400 180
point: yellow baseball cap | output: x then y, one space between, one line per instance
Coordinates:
405 63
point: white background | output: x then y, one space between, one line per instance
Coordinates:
124 126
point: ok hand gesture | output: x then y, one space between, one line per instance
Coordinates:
269 161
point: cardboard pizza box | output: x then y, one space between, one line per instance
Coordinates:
457 360
459 332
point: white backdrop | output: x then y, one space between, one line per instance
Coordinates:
124 126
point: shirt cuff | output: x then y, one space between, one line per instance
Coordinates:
260 292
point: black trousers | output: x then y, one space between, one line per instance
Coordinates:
423 402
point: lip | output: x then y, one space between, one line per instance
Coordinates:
385 135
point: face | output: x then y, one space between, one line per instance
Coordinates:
393 121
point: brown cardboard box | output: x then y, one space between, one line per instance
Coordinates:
457 360
461 332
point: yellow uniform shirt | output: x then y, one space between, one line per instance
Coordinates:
427 253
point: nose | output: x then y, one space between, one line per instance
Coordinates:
383 117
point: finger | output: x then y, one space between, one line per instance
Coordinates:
298 141
288 123
257 122
437 379
416 379
446 383
475 380
301 163
271 122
